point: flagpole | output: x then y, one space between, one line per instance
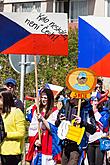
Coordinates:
36 99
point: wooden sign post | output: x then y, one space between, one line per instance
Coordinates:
81 82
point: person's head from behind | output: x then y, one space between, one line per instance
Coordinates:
82 78
46 99
6 101
10 84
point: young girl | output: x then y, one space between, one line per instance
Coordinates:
46 152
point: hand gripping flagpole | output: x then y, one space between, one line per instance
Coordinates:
36 99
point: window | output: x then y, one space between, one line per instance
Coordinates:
62 6
59 7
78 8
26 7
1 6
108 14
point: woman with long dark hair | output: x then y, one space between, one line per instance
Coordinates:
14 123
42 153
46 101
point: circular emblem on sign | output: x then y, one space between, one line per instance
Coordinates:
81 80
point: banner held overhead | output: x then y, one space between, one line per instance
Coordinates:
34 33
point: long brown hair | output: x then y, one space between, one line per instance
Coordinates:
50 102
8 101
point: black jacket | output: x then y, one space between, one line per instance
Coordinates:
2 130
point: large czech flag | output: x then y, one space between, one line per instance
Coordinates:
94 44
34 33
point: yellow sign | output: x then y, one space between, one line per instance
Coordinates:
75 133
81 81
69 131
80 95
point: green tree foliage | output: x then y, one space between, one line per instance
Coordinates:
73 47
51 69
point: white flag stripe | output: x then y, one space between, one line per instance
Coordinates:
40 23
101 24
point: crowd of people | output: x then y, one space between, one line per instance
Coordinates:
94 117
48 127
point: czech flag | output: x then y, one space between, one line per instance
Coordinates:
56 89
50 142
94 44
34 33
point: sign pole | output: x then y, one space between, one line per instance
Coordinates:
79 106
23 68
36 100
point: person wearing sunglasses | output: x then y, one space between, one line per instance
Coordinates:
81 82
10 85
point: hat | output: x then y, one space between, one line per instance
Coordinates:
10 80
82 75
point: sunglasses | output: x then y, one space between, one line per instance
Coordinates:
10 85
83 78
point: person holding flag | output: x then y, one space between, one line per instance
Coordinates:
101 115
46 151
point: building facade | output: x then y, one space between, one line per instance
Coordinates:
35 5
73 8
87 7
